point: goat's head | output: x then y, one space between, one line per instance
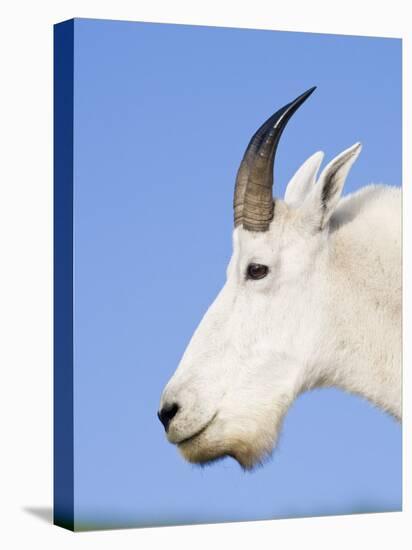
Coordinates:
248 358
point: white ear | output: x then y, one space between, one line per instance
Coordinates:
303 180
325 194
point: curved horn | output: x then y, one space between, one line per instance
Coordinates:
253 200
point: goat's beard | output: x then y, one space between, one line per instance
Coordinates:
250 443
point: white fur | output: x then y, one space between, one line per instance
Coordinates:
327 314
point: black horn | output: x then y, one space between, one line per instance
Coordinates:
253 199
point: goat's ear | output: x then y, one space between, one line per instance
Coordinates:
325 194
303 180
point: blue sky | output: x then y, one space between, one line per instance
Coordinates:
163 114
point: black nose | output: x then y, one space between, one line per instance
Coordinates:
167 413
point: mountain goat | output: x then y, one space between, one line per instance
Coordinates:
312 299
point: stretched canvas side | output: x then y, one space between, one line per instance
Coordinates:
63 275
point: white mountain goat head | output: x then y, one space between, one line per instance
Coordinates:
293 314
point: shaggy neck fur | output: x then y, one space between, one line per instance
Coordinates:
362 353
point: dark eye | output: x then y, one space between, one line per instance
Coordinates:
257 271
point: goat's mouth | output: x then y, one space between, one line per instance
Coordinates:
192 438
206 446
216 440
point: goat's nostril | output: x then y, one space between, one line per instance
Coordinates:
167 413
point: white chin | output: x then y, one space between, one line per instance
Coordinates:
207 447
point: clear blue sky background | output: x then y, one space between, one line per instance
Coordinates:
162 116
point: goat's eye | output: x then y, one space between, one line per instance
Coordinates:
257 271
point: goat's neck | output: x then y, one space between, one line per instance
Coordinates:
359 345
